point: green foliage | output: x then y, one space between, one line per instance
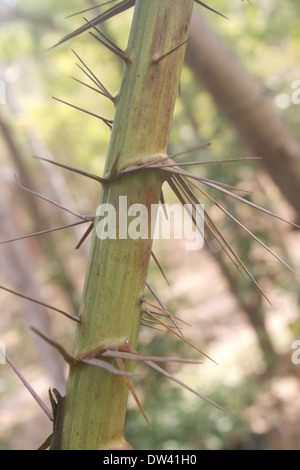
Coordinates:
181 424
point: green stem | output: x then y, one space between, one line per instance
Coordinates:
96 401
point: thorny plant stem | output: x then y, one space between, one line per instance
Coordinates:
96 401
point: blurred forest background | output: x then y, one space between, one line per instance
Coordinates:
236 92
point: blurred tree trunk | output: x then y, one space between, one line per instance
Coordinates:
250 303
38 219
243 102
18 267
252 306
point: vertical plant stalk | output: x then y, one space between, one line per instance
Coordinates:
96 400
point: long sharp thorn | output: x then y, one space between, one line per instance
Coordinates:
106 38
89 9
173 183
171 168
157 162
42 232
156 295
152 327
174 379
155 312
198 147
234 188
121 55
105 365
82 217
142 166
135 356
159 267
178 171
191 197
211 9
94 89
66 356
164 312
42 405
234 258
164 307
108 122
93 77
249 203
71 317
47 443
94 360
235 196
130 385
148 320
167 316
206 180
75 170
247 231
229 250
202 162
178 335
164 56
84 237
211 226
113 11
163 204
